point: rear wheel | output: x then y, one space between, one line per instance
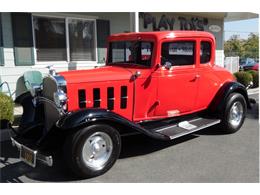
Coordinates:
234 113
93 150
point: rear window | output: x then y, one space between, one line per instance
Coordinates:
205 52
178 53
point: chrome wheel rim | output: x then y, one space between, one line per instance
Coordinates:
236 114
97 150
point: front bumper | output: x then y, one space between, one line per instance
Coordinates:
36 156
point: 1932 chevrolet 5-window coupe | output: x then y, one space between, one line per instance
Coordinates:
161 84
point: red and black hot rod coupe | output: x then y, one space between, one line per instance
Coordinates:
161 84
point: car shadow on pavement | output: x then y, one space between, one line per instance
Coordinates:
131 146
12 169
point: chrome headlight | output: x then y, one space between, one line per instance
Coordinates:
60 99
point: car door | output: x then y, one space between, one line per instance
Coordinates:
208 84
177 78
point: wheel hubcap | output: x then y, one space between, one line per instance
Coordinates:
97 150
236 114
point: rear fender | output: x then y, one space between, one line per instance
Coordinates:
219 101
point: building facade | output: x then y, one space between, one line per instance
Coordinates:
70 41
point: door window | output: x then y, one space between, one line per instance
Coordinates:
178 53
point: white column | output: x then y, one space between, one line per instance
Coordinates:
134 21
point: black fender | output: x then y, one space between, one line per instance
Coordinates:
84 117
219 101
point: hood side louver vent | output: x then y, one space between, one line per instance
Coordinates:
110 98
123 101
96 98
82 98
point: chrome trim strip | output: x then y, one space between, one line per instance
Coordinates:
197 129
175 125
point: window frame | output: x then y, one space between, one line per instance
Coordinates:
182 40
66 18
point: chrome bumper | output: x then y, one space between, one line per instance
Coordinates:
47 160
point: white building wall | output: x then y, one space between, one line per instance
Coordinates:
119 22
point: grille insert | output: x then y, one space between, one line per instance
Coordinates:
96 98
82 98
110 98
123 100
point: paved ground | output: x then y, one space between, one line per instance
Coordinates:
207 156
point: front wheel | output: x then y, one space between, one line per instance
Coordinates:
234 113
93 150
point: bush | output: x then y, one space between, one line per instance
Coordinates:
6 108
255 76
243 77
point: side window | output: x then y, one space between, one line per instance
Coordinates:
205 52
178 53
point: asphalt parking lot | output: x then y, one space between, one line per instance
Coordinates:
207 156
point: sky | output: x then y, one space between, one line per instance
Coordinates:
241 28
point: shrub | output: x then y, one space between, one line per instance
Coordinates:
243 77
255 76
6 107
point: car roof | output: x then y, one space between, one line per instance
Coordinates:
160 35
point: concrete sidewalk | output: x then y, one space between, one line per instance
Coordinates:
253 91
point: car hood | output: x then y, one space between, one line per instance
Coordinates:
106 73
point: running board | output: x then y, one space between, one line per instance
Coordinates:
185 127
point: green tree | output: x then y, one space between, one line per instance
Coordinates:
244 48
251 46
233 46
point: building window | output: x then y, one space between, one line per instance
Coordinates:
178 53
205 52
64 39
82 40
50 39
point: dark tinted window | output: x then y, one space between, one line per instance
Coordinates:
1 39
205 52
178 53
22 29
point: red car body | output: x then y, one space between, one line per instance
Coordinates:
161 84
255 67
158 92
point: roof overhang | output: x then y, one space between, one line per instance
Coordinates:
235 16
226 16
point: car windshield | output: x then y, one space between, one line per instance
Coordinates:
130 52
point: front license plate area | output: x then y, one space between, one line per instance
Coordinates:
28 156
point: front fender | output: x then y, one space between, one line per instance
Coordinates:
220 98
84 117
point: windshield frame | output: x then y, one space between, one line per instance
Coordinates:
126 63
